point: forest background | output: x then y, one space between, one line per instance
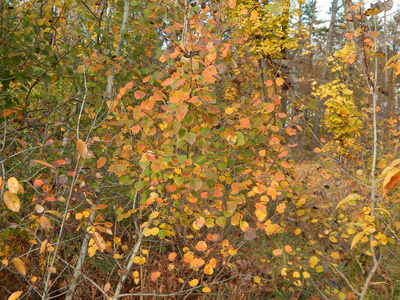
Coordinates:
199 150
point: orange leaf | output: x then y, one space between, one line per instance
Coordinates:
20 266
210 71
172 256
15 295
154 276
135 129
394 180
201 246
279 81
208 269
348 35
232 3
60 162
139 94
268 82
274 140
101 162
277 252
245 123
176 96
181 111
288 249
279 176
281 208
253 15
269 107
98 239
200 221
82 148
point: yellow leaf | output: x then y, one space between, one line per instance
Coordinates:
12 201
306 275
319 269
313 261
193 282
335 255
279 81
283 271
20 266
269 229
154 215
92 250
13 185
349 198
357 238
81 148
296 274
206 289
297 283
15 295
257 279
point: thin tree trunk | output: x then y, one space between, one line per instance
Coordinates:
324 76
110 79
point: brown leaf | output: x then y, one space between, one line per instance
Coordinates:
82 148
45 223
13 185
250 234
12 201
20 266
44 163
1 182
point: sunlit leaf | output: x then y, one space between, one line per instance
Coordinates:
13 185
20 266
12 201
193 282
81 148
15 295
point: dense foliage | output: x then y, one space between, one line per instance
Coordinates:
198 150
